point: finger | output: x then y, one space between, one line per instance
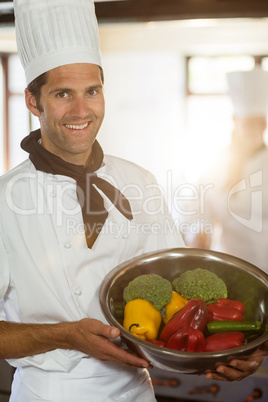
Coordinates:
225 373
113 332
112 352
105 330
130 351
132 359
236 373
247 366
104 349
122 356
216 376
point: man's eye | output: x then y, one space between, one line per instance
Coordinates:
92 92
62 95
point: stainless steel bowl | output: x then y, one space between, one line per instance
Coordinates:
244 281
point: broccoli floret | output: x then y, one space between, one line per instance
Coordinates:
200 283
150 287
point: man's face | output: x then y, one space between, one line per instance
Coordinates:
72 110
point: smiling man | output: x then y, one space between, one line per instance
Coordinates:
70 110
68 216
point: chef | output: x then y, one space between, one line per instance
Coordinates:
236 202
68 216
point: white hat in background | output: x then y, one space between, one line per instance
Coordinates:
52 33
249 92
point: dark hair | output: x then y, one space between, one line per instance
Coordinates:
35 87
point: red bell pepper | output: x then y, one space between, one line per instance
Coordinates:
192 315
188 340
226 310
156 342
223 341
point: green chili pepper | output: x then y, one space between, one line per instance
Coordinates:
230 326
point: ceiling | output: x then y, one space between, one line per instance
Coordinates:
161 10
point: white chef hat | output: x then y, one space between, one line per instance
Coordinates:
249 92
52 33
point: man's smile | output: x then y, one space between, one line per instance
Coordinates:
76 126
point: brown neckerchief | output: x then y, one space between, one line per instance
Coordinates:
90 200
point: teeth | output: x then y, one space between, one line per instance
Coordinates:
75 127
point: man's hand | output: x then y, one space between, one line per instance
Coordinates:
89 336
92 337
240 368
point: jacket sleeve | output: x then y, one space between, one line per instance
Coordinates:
4 275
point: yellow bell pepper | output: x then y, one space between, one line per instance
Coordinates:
142 319
177 302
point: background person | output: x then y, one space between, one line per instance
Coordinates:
236 201
52 328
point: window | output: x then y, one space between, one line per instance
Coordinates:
207 75
15 118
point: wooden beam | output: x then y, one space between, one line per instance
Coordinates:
160 10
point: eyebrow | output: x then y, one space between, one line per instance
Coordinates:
66 89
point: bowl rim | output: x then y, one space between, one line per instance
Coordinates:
119 270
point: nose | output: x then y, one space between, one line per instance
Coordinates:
80 107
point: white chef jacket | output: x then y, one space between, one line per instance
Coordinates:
49 275
239 214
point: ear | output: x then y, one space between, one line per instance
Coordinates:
31 103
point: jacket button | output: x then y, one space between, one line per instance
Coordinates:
67 245
78 292
125 236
